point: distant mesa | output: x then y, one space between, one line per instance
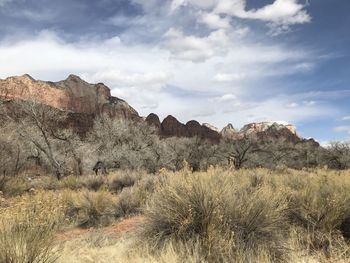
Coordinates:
84 101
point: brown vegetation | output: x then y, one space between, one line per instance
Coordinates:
251 215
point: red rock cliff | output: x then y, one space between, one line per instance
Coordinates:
72 95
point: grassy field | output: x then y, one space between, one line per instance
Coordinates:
215 216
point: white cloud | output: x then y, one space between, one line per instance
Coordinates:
196 49
309 102
293 105
280 14
228 77
226 98
346 118
117 78
204 4
144 74
214 21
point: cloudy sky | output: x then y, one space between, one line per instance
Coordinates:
216 61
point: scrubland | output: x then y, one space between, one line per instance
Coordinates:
221 215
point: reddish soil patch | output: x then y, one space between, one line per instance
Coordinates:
121 227
124 226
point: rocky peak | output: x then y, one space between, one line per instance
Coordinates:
229 132
153 120
27 77
194 128
172 127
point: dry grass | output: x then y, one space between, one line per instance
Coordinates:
97 247
90 209
220 215
119 181
225 219
27 229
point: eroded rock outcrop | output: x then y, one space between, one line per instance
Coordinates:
254 128
171 127
229 132
71 95
267 131
211 127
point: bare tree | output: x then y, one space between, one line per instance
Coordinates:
38 125
131 145
337 155
238 152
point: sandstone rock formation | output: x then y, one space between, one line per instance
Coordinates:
72 95
211 127
229 132
202 131
266 131
171 127
153 120
254 128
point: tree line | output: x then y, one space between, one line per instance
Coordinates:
32 139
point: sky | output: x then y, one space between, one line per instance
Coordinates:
216 61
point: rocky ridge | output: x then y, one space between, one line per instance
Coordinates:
84 101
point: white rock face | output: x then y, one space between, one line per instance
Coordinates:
264 126
209 126
229 132
254 128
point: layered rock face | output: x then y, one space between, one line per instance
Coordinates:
72 95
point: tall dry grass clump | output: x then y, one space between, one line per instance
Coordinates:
120 180
212 213
27 229
320 209
90 209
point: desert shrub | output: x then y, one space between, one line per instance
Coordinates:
91 209
93 182
16 186
123 180
132 200
27 229
45 183
257 219
320 206
71 182
126 204
226 221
